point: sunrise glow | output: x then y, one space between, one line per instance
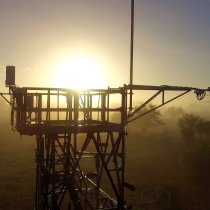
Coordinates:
79 72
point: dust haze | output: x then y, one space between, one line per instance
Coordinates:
167 149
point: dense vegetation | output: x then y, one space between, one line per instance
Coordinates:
170 150
173 153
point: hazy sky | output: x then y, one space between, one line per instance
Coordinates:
172 40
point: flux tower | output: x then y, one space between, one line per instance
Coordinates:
80 138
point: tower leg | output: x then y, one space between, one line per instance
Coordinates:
80 171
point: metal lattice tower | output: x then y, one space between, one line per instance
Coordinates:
80 136
80 148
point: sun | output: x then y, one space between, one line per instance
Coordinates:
79 72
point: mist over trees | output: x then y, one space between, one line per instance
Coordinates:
196 135
174 154
150 120
189 124
168 148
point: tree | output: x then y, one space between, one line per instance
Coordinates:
196 156
144 123
203 129
188 124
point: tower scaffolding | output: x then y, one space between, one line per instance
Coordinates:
80 148
80 138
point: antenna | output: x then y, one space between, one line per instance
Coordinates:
131 52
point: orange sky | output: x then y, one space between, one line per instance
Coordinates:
171 47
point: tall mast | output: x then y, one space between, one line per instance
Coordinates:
131 52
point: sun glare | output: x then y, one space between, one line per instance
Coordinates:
79 72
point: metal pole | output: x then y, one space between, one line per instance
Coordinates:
131 52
